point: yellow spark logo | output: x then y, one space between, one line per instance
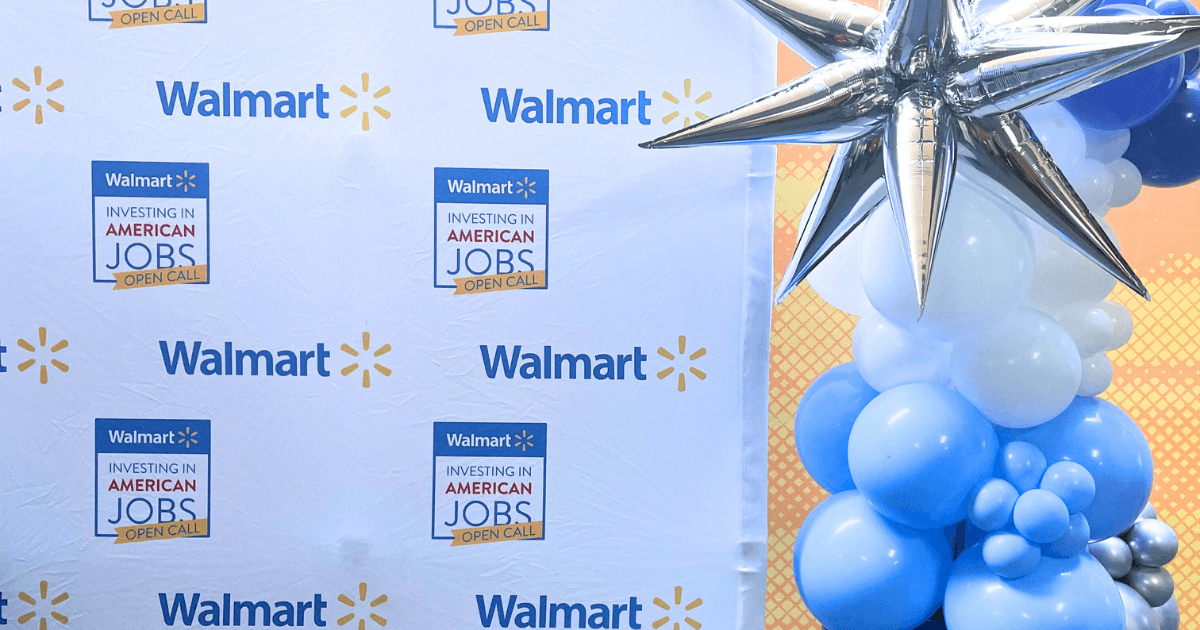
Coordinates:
682 353
525 187
43 587
37 82
25 345
185 181
366 347
694 604
362 615
687 95
366 88
188 437
523 440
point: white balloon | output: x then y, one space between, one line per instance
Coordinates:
1127 182
1097 375
837 280
983 267
1092 181
887 355
1019 374
1090 328
1104 145
1122 324
1063 277
1059 132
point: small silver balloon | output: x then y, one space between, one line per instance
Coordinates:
1152 542
1114 556
1148 512
1153 584
1138 614
1167 615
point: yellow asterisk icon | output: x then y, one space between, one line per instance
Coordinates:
362 598
694 604
37 82
523 440
185 181
682 352
25 345
43 589
687 94
525 187
189 437
366 115
366 346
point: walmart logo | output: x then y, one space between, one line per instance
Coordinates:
187 609
42 607
188 99
546 613
39 355
518 105
37 95
513 362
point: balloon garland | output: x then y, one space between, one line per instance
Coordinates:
977 481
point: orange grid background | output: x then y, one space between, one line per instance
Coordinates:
1155 375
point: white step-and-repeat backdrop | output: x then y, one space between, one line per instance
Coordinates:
363 313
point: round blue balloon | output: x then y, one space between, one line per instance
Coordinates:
1103 439
1072 483
824 418
856 570
992 506
1074 542
1191 59
1041 516
1022 464
1010 555
1131 99
918 451
1166 149
1062 593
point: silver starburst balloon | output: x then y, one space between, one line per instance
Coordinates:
909 92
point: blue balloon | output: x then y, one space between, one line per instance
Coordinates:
1062 593
856 570
823 421
1072 483
1010 555
1022 464
992 506
1166 149
1099 436
932 624
1134 98
918 451
1074 542
1041 516
1191 59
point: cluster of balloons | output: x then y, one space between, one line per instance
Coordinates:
969 459
1137 558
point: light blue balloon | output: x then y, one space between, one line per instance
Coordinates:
1010 555
992 507
1022 464
1074 542
856 570
1061 594
918 451
824 418
1103 439
1041 516
1072 483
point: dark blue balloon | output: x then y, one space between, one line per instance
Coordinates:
1191 59
824 418
1134 98
1166 149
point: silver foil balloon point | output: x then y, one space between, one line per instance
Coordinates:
1138 614
1148 512
910 92
1152 542
1114 555
1154 584
1168 615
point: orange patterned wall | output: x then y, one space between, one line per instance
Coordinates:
1155 376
